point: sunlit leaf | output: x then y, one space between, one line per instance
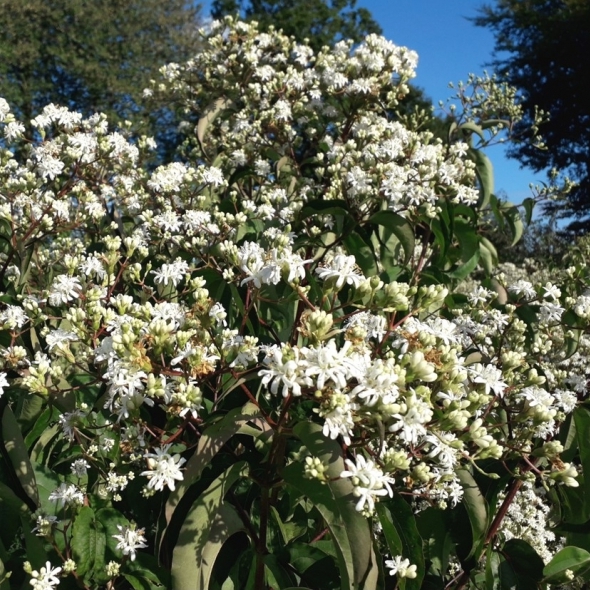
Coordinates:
210 443
568 559
477 510
194 533
403 538
89 543
18 456
400 227
210 113
485 175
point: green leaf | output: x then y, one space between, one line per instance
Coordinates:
477 510
38 428
210 113
332 207
277 575
28 409
466 269
146 569
11 500
400 227
302 556
363 253
488 255
574 559
468 239
225 524
528 205
35 546
88 543
398 514
47 482
492 575
324 501
525 561
18 456
392 538
574 328
137 583
514 221
335 502
472 127
357 535
485 175
433 526
211 441
194 533
582 422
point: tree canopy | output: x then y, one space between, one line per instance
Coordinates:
321 22
543 48
90 56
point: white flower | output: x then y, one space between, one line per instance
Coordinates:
213 175
44 525
400 567
4 109
14 130
411 425
174 272
284 369
523 288
550 312
480 295
261 268
164 469
64 289
218 314
58 338
379 384
46 578
567 475
13 317
551 291
369 482
328 364
93 266
342 268
79 467
67 494
489 376
3 383
130 540
337 411
373 325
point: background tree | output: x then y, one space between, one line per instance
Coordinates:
322 22
543 48
91 56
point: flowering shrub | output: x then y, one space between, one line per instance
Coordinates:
255 369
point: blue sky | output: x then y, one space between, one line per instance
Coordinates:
449 47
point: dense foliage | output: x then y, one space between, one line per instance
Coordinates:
92 56
543 49
264 368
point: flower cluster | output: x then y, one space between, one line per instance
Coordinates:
172 328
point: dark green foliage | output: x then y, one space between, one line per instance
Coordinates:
91 56
542 240
321 22
543 48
